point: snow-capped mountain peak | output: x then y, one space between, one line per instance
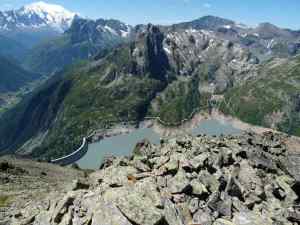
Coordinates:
56 12
37 14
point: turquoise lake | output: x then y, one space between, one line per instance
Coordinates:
122 145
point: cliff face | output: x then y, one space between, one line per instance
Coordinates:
156 59
203 180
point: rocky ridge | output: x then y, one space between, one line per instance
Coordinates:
252 179
84 39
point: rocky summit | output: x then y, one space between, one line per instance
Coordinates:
250 179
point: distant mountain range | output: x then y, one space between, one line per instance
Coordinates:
265 40
50 37
35 16
45 38
85 39
35 22
128 73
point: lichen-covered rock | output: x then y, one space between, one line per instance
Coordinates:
109 214
293 165
203 217
198 187
223 222
179 183
172 213
251 218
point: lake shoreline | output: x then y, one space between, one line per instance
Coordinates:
201 117
185 128
121 139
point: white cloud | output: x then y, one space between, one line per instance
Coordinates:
207 5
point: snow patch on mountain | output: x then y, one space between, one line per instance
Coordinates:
227 26
111 30
36 15
126 33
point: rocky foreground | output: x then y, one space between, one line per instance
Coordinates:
243 180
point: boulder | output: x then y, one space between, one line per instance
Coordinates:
143 148
62 207
172 213
223 222
202 217
251 218
199 161
108 214
293 165
113 176
179 183
134 205
198 187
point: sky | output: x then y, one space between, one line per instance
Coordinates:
283 13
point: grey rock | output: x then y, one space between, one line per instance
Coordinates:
202 217
179 183
210 181
293 166
140 166
247 218
173 215
199 160
107 162
203 180
62 207
109 214
285 183
172 166
198 187
113 176
143 148
224 207
194 205
223 222
136 206
78 185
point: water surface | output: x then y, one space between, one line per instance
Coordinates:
122 145
215 127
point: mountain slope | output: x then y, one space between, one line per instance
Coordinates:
206 23
13 77
11 48
84 39
265 41
270 100
14 82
